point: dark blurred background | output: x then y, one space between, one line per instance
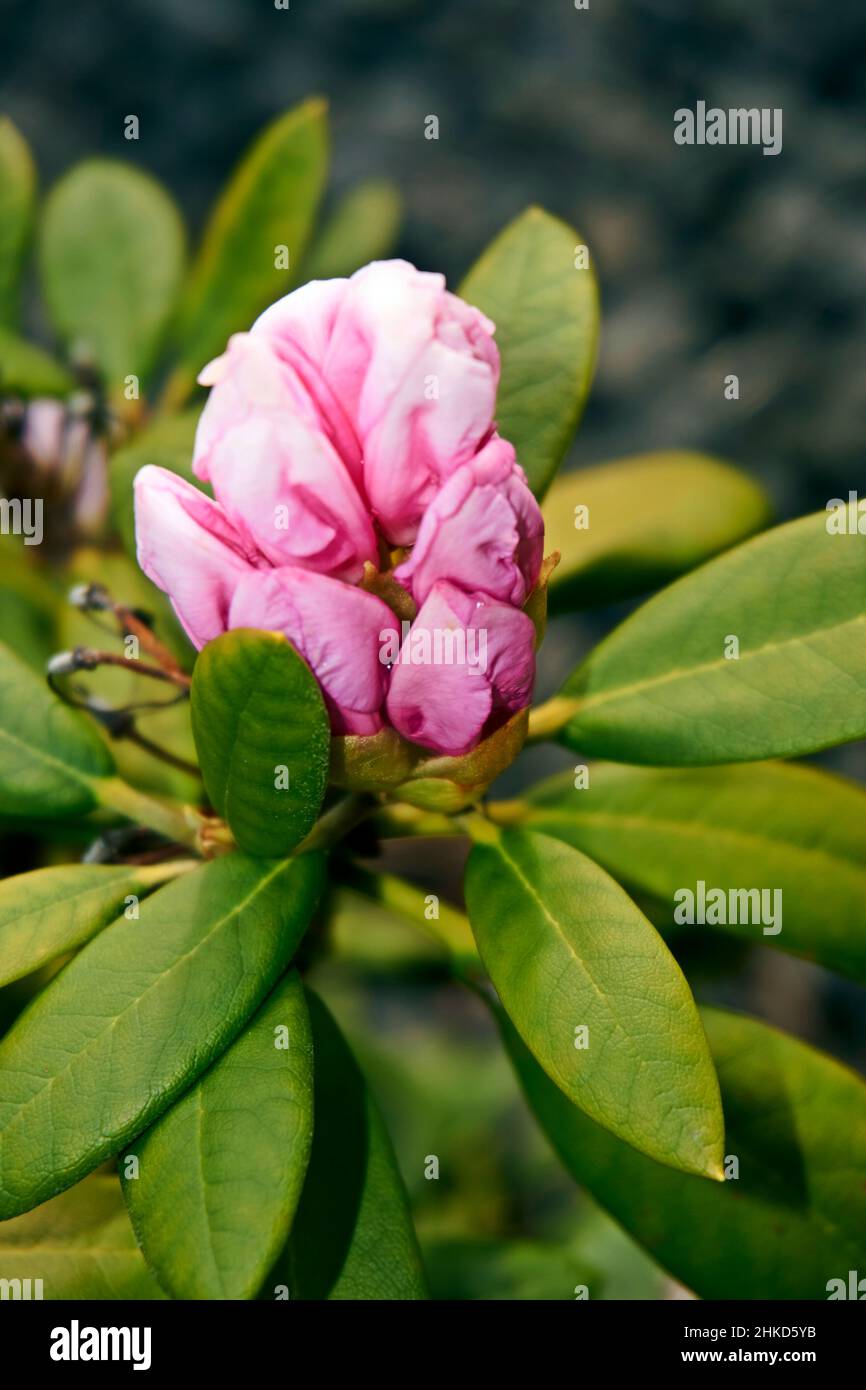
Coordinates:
711 260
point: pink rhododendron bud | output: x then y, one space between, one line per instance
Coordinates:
190 550
403 374
466 662
44 430
335 628
356 418
483 530
264 448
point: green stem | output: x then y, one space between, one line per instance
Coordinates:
450 929
479 827
337 822
169 820
399 819
508 812
545 721
151 875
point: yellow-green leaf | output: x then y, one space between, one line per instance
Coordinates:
622 528
47 912
80 1245
759 654
596 996
50 757
768 827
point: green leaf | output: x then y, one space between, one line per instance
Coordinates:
546 316
260 723
17 202
220 1173
27 371
796 1215
492 1270
567 949
28 613
80 1245
363 227
136 1017
45 913
352 1237
661 690
111 255
649 519
167 443
767 825
269 202
50 757
371 936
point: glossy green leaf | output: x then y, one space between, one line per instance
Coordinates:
220 1173
262 734
661 690
596 996
17 201
167 443
136 1017
352 1237
27 371
80 1245
111 255
493 1270
546 314
793 1219
363 227
762 825
648 520
45 913
50 757
269 202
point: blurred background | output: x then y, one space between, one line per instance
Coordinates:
710 260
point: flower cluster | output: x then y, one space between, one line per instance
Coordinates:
362 502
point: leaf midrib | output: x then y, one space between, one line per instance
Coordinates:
179 960
86 779
690 829
582 965
676 673
95 888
